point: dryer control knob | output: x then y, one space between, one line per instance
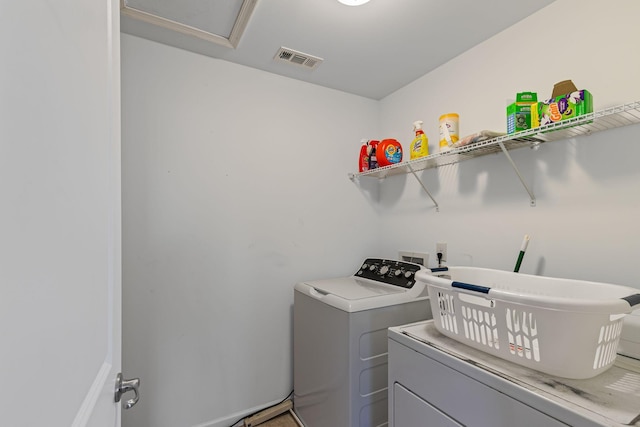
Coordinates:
384 270
408 274
372 268
397 273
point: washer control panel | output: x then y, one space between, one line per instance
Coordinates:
391 272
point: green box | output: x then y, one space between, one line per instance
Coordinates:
519 112
563 107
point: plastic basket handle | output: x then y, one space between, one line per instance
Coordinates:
477 300
471 287
632 299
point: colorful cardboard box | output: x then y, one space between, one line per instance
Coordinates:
519 112
562 107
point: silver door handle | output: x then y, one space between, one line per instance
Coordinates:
123 386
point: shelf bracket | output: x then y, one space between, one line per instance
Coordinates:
423 187
532 198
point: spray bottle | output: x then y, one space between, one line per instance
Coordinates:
363 159
420 144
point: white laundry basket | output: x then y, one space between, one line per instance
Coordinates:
567 328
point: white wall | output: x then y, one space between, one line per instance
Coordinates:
587 189
235 188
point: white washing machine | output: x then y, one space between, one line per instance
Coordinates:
437 381
340 341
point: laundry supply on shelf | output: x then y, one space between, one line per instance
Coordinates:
367 159
363 159
373 159
420 144
483 135
388 152
565 103
519 112
448 130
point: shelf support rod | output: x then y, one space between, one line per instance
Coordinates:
515 168
423 187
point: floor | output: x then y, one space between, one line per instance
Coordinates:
282 420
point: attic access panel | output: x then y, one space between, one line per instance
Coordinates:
220 22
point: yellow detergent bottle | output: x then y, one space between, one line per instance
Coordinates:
420 144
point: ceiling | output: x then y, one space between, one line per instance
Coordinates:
370 50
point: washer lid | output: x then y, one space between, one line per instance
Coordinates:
353 288
354 293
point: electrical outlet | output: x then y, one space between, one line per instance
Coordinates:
441 248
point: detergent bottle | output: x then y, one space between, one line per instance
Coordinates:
373 157
420 144
363 159
388 152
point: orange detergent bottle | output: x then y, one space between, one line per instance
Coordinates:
388 152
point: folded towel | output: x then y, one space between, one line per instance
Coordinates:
477 137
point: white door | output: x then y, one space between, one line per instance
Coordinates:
59 213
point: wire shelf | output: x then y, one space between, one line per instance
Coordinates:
610 118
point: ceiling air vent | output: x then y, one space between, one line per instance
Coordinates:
298 58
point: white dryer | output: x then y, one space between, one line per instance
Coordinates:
340 341
437 381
